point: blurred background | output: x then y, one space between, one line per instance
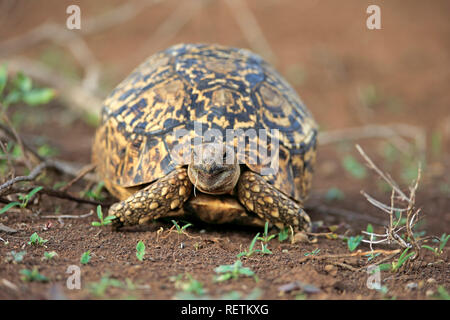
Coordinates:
387 89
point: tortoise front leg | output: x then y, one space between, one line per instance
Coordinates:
162 198
260 197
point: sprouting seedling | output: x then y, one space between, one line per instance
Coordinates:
265 239
23 198
283 234
103 222
181 230
233 271
36 240
85 257
96 192
312 253
140 250
49 255
353 242
99 288
250 250
442 242
32 275
190 287
17 256
396 265
20 89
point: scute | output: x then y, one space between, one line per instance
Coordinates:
217 86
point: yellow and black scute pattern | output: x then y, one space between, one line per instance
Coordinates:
217 86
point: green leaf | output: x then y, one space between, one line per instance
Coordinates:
334 194
355 168
22 82
429 248
353 242
9 206
13 96
38 96
96 224
99 213
283 234
3 77
385 266
140 250
85 257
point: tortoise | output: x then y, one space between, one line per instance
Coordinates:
212 87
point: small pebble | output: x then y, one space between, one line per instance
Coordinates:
182 245
330 269
429 293
411 286
431 280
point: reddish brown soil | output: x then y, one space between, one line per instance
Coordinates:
407 61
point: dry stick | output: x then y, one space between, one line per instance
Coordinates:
251 29
386 177
68 216
56 194
88 168
8 159
411 214
348 255
16 137
59 165
33 174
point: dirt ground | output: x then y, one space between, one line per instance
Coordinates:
348 76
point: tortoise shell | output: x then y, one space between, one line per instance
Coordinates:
217 86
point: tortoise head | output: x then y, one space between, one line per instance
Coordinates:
214 168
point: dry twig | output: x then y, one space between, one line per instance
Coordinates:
392 234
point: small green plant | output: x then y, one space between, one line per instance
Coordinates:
443 294
265 239
36 240
250 250
334 194
49 255
353 242
17 256
396 265
20 89
47 151
188 285
99 288
102 222
181 230
440 249
354 167
233 271
283 235
32 275
312 253
96 192
140 250
23 198
85 257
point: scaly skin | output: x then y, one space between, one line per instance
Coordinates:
162 198
260 197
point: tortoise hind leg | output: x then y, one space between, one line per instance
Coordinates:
260 197
164 197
